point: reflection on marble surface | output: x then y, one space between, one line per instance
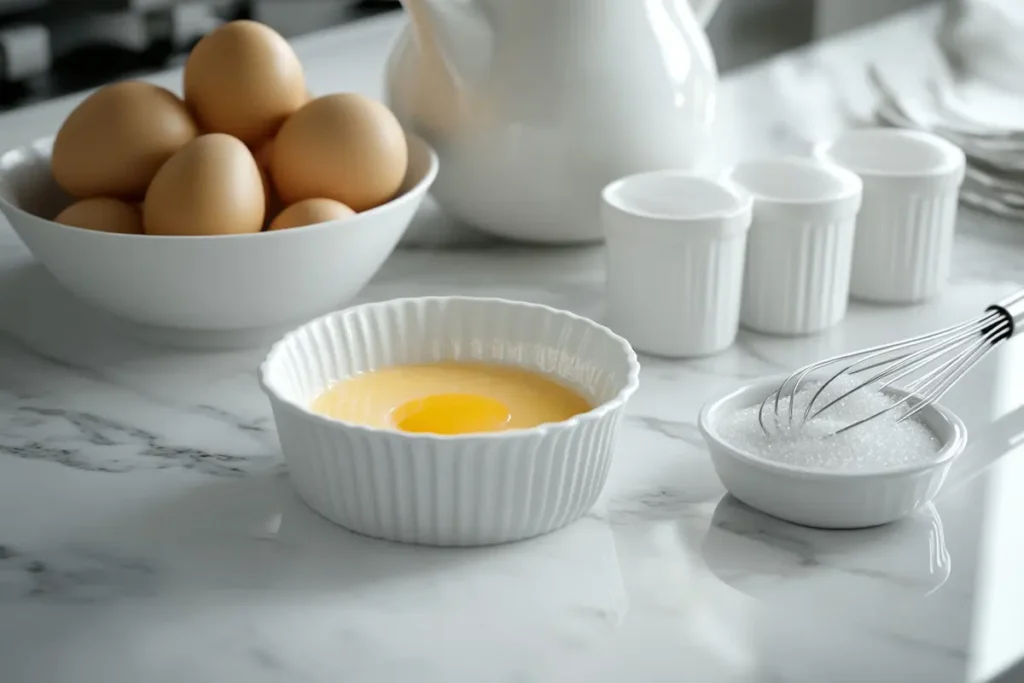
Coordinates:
148 533
744 547
143 503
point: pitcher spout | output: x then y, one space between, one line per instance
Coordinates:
456 34
704 9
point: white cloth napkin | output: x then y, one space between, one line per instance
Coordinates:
986 38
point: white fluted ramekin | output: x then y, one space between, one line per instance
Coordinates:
828 499
462 490
676 243
800 246
903 251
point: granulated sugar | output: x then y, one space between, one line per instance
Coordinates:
879 444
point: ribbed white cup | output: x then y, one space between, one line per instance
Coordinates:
904 247
675 245
800 246
473 489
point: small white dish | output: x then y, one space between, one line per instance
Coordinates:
224 290
800 246
828 499
904 246
463 490
676 244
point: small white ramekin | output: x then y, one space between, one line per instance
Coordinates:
676 244
824 498
800 246
903 251
473 489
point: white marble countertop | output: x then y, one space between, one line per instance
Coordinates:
148 533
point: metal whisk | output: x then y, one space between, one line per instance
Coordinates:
931 363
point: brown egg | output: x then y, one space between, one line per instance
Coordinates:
344 147
244 79
212 186
310 212
114 142
263 152
104 215
272 202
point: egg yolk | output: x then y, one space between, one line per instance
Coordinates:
452 414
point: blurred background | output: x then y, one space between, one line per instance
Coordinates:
49 48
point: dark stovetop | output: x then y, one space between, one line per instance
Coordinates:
50 48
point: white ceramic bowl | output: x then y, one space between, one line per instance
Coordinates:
473 489
221 290
823 498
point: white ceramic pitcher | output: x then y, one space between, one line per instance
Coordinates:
534 105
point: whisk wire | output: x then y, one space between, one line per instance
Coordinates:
874 352
968 329
897 367
938 359
937 374
977 353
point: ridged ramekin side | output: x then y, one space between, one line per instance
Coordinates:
465 490
448 492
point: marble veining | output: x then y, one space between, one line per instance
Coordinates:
71 575
149 534
95 443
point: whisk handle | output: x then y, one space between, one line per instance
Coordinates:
1013 308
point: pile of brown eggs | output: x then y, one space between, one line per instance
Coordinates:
247 149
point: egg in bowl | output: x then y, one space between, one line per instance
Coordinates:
470 488
224 215
451 398
221 290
